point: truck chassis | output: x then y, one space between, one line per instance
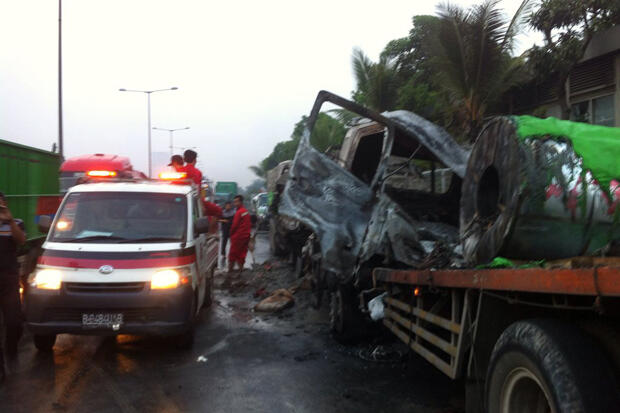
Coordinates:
458 321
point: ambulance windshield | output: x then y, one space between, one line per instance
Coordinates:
100 217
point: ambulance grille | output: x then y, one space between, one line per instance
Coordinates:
131 287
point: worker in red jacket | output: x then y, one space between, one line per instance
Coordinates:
240 233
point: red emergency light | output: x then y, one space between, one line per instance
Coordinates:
172 176
101 174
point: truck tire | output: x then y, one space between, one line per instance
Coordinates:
274 240
44 342
345 318
548 366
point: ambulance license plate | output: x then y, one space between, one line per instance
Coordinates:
102 319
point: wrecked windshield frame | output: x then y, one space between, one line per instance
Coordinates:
104 217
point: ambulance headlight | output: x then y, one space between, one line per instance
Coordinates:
167 279
47 279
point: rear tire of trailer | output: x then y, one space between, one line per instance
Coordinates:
547 365
345 318
44 342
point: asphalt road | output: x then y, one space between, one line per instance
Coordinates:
241 361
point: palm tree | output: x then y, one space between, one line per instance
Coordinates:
258 171
377 83
474 58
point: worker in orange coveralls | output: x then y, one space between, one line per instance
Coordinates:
240 233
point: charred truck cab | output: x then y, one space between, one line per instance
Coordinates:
391 198
128 257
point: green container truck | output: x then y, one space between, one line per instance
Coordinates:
29 177
225 191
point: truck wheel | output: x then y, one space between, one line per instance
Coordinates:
274 243
44 342
548 366
346 320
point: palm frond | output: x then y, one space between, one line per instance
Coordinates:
258 171
361 68
517 23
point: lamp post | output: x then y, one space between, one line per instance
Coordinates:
171 131
148 107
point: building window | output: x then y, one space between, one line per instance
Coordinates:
603 109
599 111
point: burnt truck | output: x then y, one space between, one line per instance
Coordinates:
498 264
286 235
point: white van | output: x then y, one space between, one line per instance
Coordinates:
123 258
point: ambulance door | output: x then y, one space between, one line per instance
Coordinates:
200 245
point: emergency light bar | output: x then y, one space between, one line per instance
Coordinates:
172 176
101 174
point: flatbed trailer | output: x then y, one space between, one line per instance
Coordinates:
530 339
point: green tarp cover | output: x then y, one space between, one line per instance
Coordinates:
598 146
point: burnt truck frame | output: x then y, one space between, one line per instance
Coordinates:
351 209
530 339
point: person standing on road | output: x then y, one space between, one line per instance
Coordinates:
12 235
240 233
225 223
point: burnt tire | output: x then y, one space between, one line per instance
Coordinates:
345 318
44 342
275 244
549 366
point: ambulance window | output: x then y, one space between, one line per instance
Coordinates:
197 210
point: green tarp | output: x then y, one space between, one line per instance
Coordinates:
598 146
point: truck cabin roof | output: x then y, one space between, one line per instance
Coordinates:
412 133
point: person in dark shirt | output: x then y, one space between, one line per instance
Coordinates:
12 235
225 223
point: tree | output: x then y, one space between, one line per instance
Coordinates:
473 61
377 83
418 88
328 132
258 171
254 188
568 27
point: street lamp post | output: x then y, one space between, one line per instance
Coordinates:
171 131
148 105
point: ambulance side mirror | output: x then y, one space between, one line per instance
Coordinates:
45 222
201 226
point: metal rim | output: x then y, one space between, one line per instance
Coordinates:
523 392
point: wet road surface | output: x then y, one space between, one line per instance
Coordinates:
241 361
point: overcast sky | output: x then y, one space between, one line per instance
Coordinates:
246 71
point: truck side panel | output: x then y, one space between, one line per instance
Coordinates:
29 179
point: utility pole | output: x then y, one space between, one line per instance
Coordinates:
60 137
148 111
171 131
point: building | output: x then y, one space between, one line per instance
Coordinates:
593 86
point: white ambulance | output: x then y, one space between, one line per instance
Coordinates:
124 257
